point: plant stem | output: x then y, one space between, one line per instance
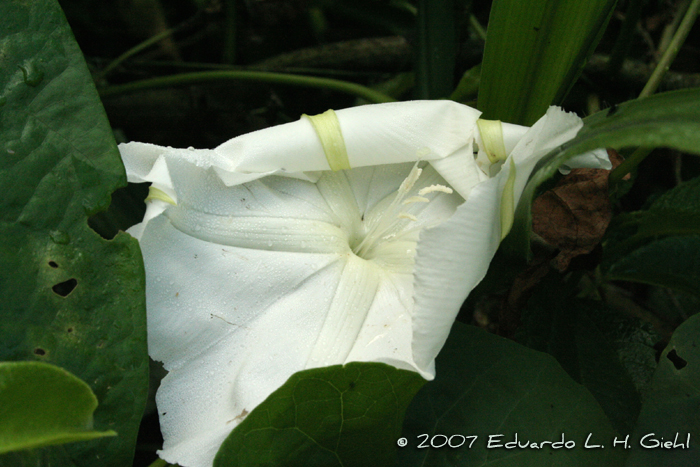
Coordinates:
672 50
627 165
669 55
186 79
133 51
671 29
478 28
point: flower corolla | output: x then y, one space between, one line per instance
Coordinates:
351 236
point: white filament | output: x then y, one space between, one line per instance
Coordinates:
386 228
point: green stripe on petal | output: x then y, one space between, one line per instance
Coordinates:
327 128
155 193
492 136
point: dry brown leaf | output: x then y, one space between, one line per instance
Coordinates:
574 215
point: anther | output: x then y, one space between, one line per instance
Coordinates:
434 188
405 215
408 183
416 199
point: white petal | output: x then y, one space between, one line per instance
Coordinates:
372 184
406 131
374 134
154 208
351 303
512 134
139 159
451 259
387 332
262 233
231 325
460 170
555 128
338 195
597 159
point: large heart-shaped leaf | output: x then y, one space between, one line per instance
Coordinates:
495 390
347 415
69 297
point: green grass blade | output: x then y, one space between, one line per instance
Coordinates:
435 60
534 52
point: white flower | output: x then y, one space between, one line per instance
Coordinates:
262 262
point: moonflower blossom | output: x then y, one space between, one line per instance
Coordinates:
351 236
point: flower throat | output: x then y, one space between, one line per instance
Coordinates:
388 226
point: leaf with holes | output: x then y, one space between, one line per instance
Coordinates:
70 297
671 410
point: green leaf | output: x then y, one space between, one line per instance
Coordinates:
41 405
487 385
69 297
347 415
672 262
556 322
639 248
436 49
672 405
534 52
669 119
676 212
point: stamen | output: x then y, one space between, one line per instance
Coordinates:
388 226
410 180
416 199
405 215
434 188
